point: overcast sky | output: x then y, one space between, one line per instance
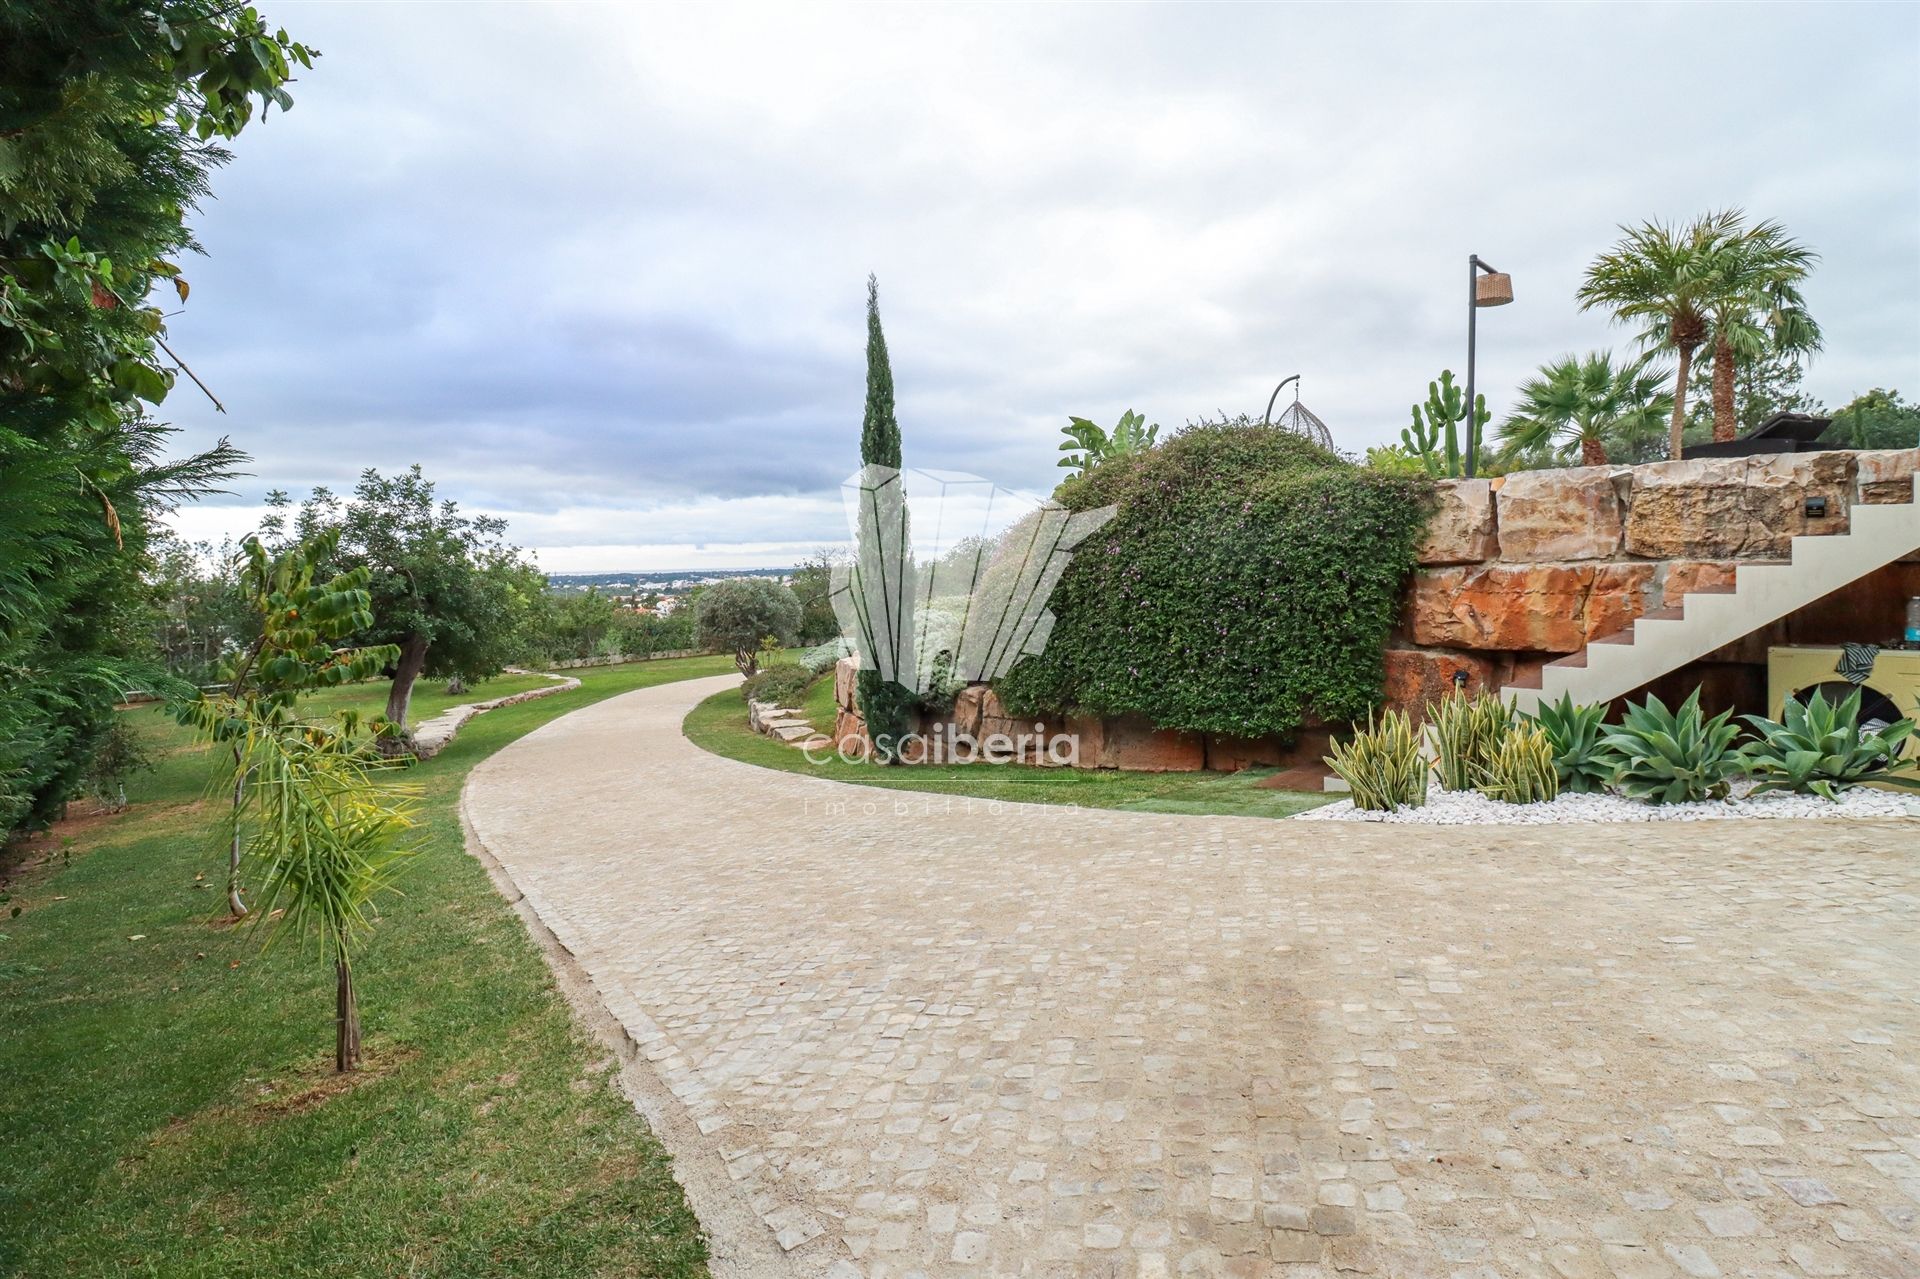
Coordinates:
601 269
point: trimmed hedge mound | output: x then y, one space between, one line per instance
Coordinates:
1246 584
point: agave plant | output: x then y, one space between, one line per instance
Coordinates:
1382 765
1521 769
1574 732
1465 733
1821 748
1667 757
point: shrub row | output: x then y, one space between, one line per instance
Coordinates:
1653 754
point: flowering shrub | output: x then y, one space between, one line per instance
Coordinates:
1248 581
821 658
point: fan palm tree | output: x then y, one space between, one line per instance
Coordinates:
1755 307
1586 402
1661 279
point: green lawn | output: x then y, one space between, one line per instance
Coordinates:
430 697
168 1107
719 724
819 705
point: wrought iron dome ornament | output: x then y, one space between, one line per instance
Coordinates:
1297 417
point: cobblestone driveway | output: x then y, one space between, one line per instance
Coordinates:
945 1037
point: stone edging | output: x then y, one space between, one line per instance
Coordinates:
432 737
784 724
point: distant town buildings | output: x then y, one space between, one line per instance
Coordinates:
651 594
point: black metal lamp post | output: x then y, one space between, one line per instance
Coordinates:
1493 288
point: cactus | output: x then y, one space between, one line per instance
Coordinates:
1444 411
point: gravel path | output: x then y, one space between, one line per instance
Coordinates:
901 1034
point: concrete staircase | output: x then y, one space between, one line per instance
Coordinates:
1763 592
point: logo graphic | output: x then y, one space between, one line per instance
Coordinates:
958 593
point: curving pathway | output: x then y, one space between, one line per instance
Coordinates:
901 1034
432 737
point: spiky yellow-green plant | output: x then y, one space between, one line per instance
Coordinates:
1520 770
1465 731
1383 765
320 829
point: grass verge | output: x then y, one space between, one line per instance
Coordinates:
169 1108
719 724
430 697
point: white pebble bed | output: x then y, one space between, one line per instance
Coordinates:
1471 808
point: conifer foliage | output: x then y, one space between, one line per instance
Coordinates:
887 707
879 429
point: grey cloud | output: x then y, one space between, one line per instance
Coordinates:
611 260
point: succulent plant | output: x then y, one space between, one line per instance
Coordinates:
1465 731
1820 748
1574 732
1521 769
1668 757
1383 765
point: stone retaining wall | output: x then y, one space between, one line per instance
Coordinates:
1518 570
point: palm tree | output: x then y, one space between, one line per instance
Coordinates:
1755 307
1588 402
1661 279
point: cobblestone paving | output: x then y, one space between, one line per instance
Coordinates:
941 1037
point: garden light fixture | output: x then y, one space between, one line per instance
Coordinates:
1485 287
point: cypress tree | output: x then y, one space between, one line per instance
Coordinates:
879 429
887 707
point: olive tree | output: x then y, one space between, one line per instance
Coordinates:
449 592
813 587
740 614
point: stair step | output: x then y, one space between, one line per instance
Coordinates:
1710 617
1625 635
